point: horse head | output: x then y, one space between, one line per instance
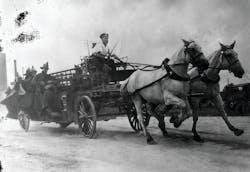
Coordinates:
230 61
195 55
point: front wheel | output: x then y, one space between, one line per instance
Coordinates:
24 120
86 116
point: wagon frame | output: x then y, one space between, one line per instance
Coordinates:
84 103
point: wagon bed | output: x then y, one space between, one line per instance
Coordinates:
81 100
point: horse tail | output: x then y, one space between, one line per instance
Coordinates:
123 87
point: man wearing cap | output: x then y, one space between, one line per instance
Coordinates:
102 48
101 60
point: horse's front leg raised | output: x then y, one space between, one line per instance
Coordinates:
137 100
171 99
220 106
186 110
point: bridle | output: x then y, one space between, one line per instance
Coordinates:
165 62
187 51
204 76
171 73
222 53
193 57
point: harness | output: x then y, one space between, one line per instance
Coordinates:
170 73
204 78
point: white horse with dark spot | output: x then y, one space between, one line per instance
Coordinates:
206 84
168 85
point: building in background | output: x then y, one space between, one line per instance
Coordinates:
3 72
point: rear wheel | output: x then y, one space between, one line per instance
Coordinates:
24 120
133 120
86 116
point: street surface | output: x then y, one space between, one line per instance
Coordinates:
48 148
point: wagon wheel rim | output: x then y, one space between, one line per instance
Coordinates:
24 120
87 117
133 120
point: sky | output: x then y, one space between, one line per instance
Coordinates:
146 31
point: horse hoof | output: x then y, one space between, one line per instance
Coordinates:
198 139
151 142
238 132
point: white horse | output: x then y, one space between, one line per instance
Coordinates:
223 59
166 85
206 84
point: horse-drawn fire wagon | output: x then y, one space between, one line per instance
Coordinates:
78 97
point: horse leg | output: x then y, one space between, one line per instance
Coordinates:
137 100
160 118
195 106
220 106
161 124
189 111
171 99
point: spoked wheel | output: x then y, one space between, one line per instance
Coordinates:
86 116
24 120
133 120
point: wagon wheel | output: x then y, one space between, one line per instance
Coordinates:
24 120
133 120
86 116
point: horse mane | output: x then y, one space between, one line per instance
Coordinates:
213 63
213 56
177 54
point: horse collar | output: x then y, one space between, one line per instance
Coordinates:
173 75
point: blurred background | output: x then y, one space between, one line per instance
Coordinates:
145 31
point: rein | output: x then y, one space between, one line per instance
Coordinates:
204 76
231 64
170 73
139 89
158 67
